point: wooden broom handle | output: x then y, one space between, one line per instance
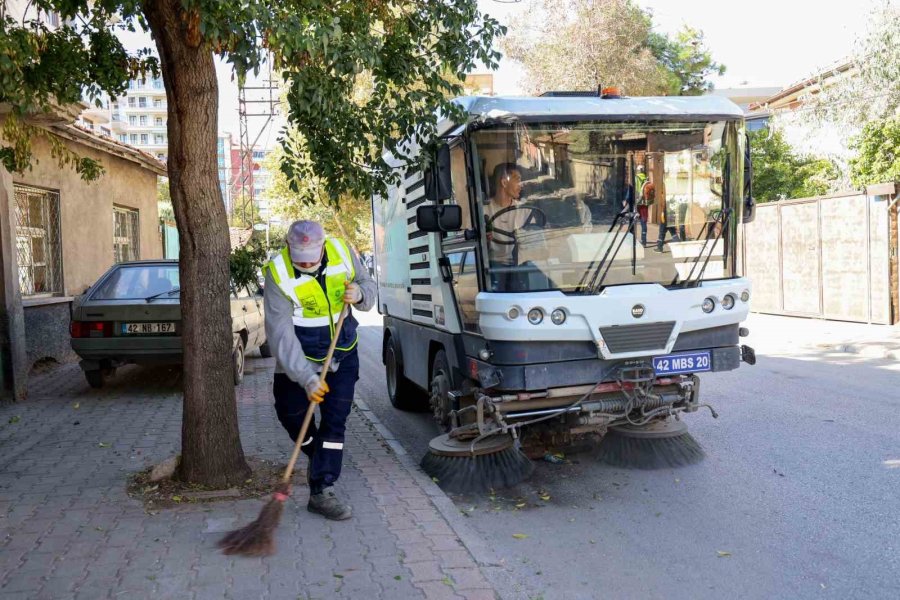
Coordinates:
310 411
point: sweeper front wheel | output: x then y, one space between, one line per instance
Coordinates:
458 467
660 444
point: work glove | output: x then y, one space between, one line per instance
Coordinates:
352 293
316 390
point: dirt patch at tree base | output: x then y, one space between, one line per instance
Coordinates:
170 493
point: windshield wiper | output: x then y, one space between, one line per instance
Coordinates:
720 220
595 283
168 293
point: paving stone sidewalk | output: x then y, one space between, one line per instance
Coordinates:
69 530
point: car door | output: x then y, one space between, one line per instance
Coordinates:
256 294
253 314
238 313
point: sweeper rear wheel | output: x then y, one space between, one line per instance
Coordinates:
660 444
494 462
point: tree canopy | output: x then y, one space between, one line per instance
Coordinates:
779 173
350 217
877 150
580 44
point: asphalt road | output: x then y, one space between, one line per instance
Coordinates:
799 496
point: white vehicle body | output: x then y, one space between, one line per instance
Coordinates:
442 292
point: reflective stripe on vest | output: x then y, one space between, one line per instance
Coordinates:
313 306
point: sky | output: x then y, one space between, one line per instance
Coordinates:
767 43
763 43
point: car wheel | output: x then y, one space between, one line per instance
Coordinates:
403 393
95 378
265 351
237 360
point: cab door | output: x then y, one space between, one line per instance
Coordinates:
460 248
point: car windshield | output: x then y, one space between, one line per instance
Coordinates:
133 282
578 206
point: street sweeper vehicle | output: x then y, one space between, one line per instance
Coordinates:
563 269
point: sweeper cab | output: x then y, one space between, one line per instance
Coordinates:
564 268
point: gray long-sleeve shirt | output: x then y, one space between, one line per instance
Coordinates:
283 342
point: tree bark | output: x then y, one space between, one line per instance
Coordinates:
211 452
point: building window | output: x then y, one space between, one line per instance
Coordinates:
126 234
143 120
157 103
123 137
38 254
105 131
134 138
132 120
131 101
158 139
159 122
157 84
145 139
142 102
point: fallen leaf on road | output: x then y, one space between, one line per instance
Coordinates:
397 578
103 445
77 405
520 536
338 576
572 520
520 505
176 498
677 480
435 479
14 419
447 581
722 553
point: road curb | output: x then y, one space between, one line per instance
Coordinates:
481 552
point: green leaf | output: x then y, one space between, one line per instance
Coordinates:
520 536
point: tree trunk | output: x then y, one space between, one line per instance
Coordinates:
211 452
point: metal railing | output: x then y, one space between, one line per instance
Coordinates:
38 248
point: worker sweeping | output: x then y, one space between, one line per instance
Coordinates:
307 285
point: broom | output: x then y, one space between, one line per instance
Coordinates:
257 538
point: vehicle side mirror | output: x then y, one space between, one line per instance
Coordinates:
443 217
437 176
749 207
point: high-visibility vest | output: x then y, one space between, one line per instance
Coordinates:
317 310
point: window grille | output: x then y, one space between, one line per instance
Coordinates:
126 234
38 252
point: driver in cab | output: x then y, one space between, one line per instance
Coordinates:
501 217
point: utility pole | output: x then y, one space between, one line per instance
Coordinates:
260 101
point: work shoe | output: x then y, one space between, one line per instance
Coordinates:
328 505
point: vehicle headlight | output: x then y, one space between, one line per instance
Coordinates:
708 305
535 316
558 316
728 302
512 314
745 296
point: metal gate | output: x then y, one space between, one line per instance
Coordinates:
826 257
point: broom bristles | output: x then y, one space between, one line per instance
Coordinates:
467 474
629 452
257 538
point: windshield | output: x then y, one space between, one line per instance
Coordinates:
576 207
139 282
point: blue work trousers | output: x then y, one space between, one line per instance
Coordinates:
324 444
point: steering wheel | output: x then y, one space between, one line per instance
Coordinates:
535 217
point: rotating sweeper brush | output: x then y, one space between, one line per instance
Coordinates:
659 445
472 466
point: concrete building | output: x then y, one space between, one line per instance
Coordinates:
139 117
58 234
248 181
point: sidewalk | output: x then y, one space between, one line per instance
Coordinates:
773 334
69 530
